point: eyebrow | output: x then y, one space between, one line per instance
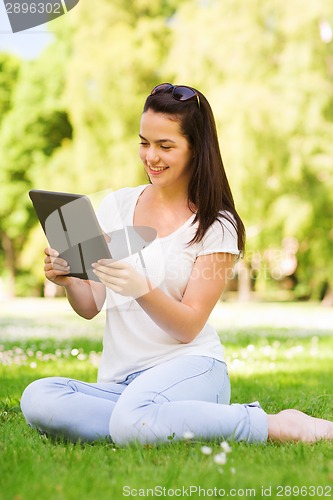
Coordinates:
157 142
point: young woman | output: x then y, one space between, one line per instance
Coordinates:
162 371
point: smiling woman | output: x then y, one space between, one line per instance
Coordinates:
166 155
163 370
164 151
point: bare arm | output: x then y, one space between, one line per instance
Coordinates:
182 320
85 297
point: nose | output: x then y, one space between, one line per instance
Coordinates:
151 156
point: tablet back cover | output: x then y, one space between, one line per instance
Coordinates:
71 227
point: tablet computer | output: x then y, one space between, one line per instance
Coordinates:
71 227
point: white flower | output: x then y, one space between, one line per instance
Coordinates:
225 447
206 450
233 470
188 435
220 458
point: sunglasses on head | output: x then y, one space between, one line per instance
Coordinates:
178 92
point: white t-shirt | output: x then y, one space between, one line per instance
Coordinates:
132 340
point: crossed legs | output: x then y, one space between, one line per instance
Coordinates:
186 394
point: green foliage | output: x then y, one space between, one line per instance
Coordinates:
9 71
268 74
33 128
69 119
107 84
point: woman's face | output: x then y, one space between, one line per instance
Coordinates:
164 150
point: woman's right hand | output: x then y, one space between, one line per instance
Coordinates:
55 268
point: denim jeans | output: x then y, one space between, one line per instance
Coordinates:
185 394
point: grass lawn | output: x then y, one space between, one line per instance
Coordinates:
279 354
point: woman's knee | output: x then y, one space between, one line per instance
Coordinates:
36 397
122 427
132 422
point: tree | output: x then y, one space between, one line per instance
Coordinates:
9 71
266 68
267 71
117 50
32 129
74 122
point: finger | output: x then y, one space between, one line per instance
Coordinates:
111 272
116 264
107 269
50 258
59 263
105 274
109 280
107 237
49 269
51 252
56 264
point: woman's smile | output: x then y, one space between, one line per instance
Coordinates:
156 170
164 149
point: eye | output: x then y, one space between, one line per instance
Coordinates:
143 143
166 147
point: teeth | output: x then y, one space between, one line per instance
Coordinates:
157 169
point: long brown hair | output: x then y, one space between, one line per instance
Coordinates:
208 191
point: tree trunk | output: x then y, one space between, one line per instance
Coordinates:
10 265
244 282
328 298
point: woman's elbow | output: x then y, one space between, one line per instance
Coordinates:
88 314
189 335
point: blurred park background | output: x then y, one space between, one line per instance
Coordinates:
69 121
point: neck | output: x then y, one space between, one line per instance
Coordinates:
170 195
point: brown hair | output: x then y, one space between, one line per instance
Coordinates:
209 191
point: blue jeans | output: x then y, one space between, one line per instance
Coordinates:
186 394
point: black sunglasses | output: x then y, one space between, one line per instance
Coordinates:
178 92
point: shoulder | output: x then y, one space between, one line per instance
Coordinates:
116 204
221 236
121 198
227 222
123 195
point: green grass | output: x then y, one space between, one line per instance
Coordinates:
279 366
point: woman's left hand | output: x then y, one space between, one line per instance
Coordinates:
121 277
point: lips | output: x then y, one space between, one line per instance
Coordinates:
157 170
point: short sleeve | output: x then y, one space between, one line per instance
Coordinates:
220 237
108 214
116 209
